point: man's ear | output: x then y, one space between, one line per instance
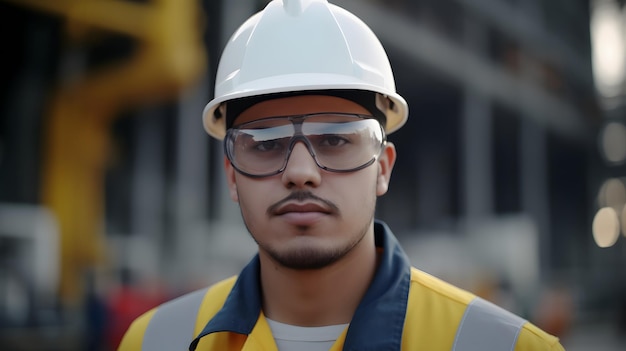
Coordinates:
230 179
385 165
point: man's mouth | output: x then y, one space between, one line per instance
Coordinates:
292 207
302 202
302 209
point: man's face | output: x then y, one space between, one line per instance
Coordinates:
306 217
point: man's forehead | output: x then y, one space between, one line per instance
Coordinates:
299 105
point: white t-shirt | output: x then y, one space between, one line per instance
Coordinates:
294 338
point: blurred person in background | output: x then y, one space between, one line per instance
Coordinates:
304 99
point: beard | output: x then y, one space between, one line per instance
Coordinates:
313 257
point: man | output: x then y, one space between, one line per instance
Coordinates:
304 97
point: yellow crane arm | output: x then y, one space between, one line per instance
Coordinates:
170 56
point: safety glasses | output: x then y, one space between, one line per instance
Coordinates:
338 142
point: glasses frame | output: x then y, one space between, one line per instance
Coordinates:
297 121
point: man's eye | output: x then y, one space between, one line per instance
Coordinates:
333 140
267 145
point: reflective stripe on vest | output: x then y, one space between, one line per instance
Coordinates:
484 326
172 325
487 327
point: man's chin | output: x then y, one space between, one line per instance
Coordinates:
307 258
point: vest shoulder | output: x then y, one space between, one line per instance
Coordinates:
434 310
423 283
214 294
213 301
533 338
213 291
222 287
133 337
437 308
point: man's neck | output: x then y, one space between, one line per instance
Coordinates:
318 297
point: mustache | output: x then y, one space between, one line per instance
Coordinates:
300 196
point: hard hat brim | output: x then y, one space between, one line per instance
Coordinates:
215 124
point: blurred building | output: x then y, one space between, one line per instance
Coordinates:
503 166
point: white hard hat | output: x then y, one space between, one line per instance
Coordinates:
303 45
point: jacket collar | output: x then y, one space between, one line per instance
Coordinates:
377 323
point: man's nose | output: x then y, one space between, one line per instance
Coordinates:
301 170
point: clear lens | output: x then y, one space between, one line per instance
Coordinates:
337 142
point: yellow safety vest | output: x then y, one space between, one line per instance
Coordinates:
404 309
